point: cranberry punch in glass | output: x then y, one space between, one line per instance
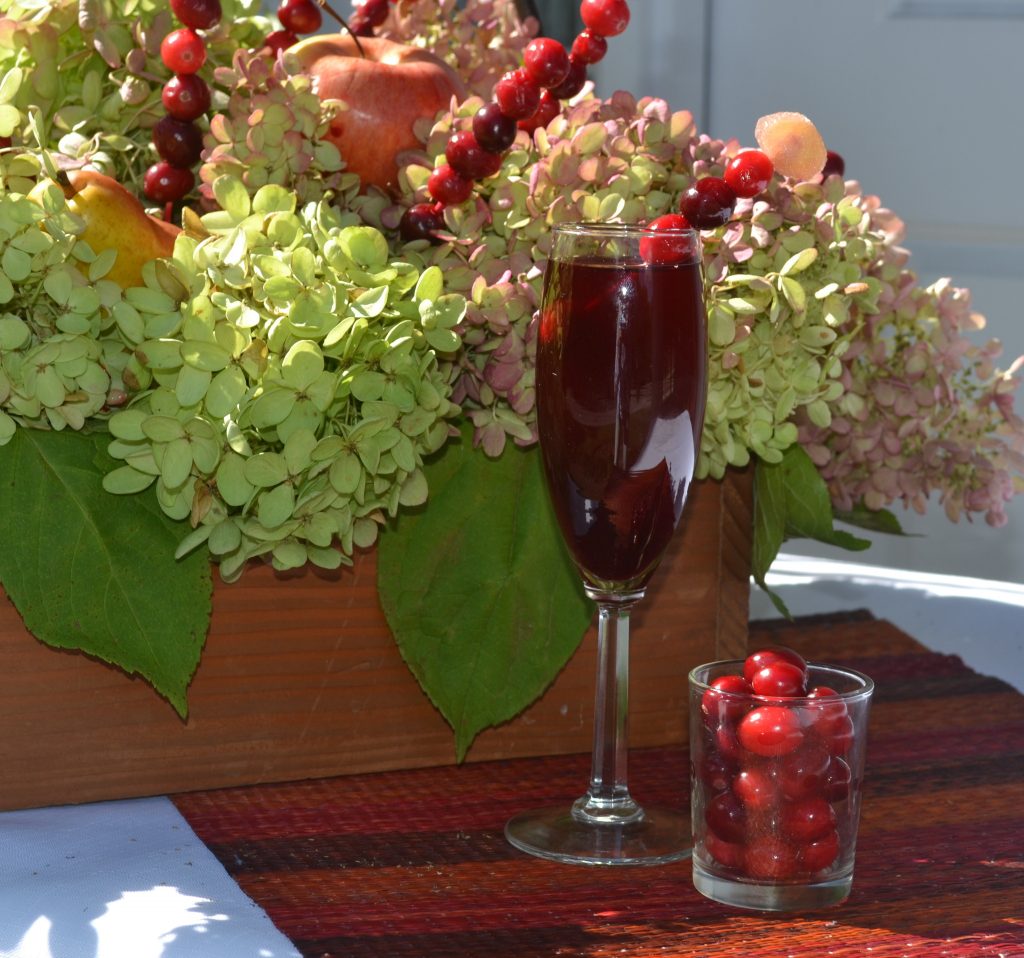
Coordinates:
621 388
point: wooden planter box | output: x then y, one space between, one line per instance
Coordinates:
301 679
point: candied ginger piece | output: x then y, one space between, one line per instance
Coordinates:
793 143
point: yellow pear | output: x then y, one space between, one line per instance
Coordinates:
115 219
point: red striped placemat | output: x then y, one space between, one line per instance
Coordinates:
414 863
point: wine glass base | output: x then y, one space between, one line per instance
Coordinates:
659 836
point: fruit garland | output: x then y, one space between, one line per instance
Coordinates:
186 96
526 98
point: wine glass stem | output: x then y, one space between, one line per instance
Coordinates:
608 800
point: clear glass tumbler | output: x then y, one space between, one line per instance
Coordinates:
776 788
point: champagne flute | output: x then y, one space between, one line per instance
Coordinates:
621 389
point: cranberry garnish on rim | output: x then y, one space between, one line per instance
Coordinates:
670 242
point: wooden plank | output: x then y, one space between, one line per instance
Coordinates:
300 678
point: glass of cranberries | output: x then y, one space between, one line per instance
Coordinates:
776 765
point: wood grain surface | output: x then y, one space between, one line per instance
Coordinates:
301 678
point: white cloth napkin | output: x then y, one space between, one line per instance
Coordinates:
123 879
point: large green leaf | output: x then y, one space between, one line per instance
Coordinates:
91 571
479 591
792 501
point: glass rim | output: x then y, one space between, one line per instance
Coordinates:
865 682
601 228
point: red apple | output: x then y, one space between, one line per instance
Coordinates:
386 92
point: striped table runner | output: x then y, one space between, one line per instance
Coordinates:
414 863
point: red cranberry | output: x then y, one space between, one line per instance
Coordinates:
671 246
820 854
375 11
359 25
726 743
839 739
770 859
303 16
779 679
708 203
837 784
770 730
749 172
517 95
183 51
420 222
548 109
177 141
828 705
186 97
726 817
493 130
589 47
164 183
808 820
725 853
759 659
726 698
467 157
607 18
546 61
835 165
716 771
803 774
573 82
197 14
756 789
448 186
278 40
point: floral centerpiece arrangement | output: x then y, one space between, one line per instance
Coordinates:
237 325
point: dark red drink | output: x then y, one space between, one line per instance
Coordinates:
621 388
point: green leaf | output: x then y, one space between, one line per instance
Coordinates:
873 520
791 501
232 196
478 589
93 572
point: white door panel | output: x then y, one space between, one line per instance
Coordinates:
922 98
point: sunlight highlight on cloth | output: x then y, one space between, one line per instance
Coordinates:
140 923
